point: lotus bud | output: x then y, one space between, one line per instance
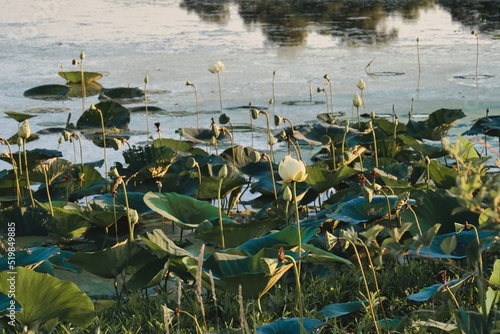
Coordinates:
427 160
396 121
114 173
346 126
215 130
287 194
283 135
255 113
271 101
82 55
213 141
191 162
277 120
216 67
60 139
24 130
19 141
182 132
254 156
146 79
326 140
357 101
224 119
223 172
361 84
372 115
271 140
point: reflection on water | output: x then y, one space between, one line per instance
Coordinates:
287 22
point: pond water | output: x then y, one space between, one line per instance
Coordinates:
174 41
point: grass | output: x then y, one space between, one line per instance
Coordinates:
143 313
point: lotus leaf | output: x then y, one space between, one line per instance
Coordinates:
489 125
114 115
437 206
184 211
19 117
429 291
340 309
291 326
464 240
122 94
76 76
321 179
91 88
359 210
48 92
286 238
232 270
235 233
31 257
110 262
44 298
5 304
436 126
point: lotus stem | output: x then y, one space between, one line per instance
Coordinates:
274 93
332 152
251 121
372 267
47 186
189 83
14 169
221 225
272 177
329 83
368 294
103 138
297 216
75 135
319 90
269 137
428 169
479 265
346 130
416 220
130 225
299 291
146 80
475 33
419 67
374 143
232 145
198 328
28 183
220 91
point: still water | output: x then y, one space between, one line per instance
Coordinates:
300 41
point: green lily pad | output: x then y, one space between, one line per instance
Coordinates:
340 309
290 326
76 76
44 298
122 94
91 89
18 116
184 211
436 126
114 116
48 92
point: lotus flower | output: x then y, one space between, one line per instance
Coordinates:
216 67
291 170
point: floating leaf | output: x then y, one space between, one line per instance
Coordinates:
18 116
48 92
114 116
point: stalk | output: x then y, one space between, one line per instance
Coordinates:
299 291
27 173
92 107
146 80
14 168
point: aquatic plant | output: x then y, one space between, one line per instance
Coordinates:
216 68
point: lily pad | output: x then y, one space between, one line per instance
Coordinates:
91 88
18 116
340 309
48 92
76 76
291 326
122 94
114 116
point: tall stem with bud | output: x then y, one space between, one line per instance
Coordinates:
146 81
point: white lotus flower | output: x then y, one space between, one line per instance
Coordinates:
216 67
291 169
